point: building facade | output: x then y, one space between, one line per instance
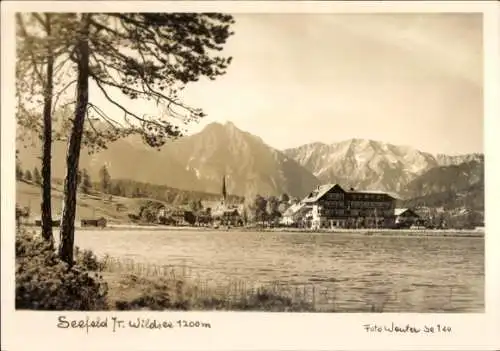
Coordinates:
406 218
333 207
297 215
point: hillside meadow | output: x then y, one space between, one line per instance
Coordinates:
115 209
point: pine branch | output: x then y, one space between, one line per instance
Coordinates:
126 111
60 66
90 122
39 18
58 95
105 117
22 27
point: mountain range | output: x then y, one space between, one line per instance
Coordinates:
450 186
369 164
199 162
196 162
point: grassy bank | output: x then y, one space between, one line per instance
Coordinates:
134 292
178 287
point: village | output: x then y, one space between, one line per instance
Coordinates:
328 206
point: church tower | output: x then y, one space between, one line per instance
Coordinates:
224 191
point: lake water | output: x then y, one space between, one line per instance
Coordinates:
405 273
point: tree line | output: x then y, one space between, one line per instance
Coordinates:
267 210
28 175
105 184
149 56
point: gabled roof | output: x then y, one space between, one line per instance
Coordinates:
369 191
294 209
380 192
320 191
400 211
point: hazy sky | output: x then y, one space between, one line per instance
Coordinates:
405 79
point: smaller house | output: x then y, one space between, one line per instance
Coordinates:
405 218
295 214
163 215
181 217
162 212
227 215
204 219
99 222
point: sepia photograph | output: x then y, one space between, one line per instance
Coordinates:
339 170
219 161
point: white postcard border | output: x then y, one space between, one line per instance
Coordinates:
251 331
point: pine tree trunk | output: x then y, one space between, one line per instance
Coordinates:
67 233
47 141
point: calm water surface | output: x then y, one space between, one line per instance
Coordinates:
411 274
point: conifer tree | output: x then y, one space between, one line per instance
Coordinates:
105 180
41 65
86 182
37 178
28 176
149 56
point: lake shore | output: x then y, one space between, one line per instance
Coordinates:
368 232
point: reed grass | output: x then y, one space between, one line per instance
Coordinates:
136 285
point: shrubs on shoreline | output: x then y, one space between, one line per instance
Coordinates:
45 282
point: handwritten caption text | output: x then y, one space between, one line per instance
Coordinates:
116 324
407 328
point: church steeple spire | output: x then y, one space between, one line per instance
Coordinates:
224 192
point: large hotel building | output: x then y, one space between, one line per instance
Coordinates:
330 206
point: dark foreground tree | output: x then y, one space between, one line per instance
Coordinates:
144 55
41 40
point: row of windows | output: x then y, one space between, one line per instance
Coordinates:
367 196
333 204
371 213
355 213
334 196
365 204
359 196
332 213
356 204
